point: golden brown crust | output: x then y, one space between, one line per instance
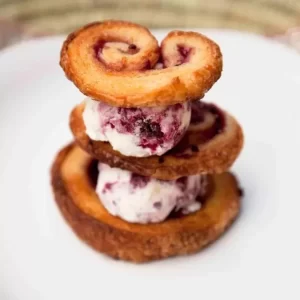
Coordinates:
80 206
215 156
125 79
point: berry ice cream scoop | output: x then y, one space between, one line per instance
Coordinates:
138 132
140 199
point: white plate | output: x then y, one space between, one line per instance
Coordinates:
40 258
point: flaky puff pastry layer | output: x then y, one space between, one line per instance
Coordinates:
77 200
122 64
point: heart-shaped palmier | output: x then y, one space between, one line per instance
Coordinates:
122 64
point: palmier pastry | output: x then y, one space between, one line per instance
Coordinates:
211 144
121 64
74 190
147 175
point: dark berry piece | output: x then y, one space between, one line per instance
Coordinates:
139 181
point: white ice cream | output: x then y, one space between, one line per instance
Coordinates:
138 132
140 199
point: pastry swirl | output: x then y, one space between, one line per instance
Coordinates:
121 63
80 206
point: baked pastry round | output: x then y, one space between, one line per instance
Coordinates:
210 147
76 198
121 63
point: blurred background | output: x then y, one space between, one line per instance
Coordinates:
23 19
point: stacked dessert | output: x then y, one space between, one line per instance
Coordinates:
147 177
